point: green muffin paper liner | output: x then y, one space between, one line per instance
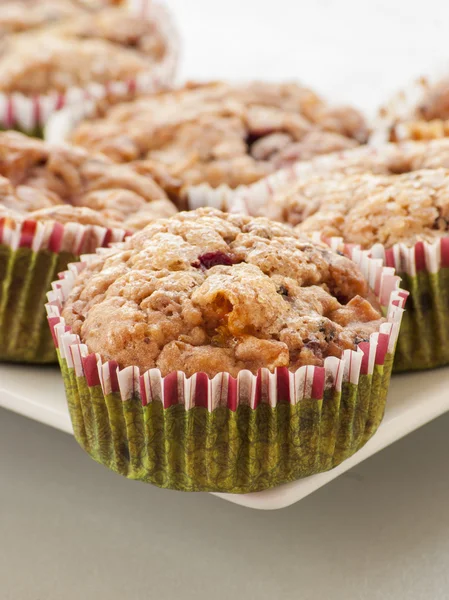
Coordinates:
424 268
228 434
31 256
31 114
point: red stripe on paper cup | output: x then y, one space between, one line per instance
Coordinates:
319 377
171 390
91 370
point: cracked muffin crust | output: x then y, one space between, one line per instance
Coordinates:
66 184
368 209
87 47
295 200
221 134
212 292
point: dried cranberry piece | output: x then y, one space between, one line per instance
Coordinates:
212 259
314 346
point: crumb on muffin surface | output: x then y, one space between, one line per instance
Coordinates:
66 184
212 292
219 133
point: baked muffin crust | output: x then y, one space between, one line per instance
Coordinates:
419 113
369 209
99 46
219 133
299 198
208 291
22 15
66 184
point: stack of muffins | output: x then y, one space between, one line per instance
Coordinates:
229 256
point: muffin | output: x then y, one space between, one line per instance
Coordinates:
68 52
418 112
238 355
23 15
270 195
218 133
57 203
403 219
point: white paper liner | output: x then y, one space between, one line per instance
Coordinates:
28 113
306 382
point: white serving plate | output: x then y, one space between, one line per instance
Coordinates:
414 400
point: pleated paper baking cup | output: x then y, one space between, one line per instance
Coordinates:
31 256
30 115
228 434
424 269
397 119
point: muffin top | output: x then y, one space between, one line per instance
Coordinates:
387 159
209 291
89 47
420 113
292 195
22 15
66 184
220 133
368 209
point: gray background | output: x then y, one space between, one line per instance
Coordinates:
72 530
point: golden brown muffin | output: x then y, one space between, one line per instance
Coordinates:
292 195
66 184
220 133
420 112
212 292
89 47
368 209
23 15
